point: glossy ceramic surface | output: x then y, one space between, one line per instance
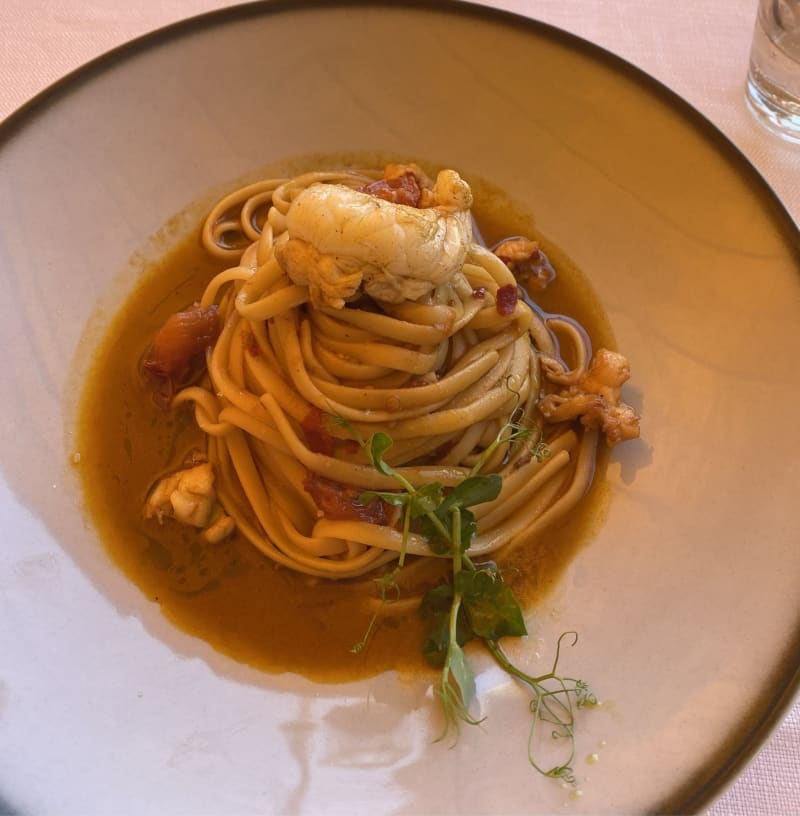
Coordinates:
686 601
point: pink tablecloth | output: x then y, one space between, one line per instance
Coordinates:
699 48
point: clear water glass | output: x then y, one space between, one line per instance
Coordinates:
773 79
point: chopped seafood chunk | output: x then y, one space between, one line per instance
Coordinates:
595 398
340 241
188 496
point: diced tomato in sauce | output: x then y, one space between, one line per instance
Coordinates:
506 299
401 184
340 502
177 354
317 434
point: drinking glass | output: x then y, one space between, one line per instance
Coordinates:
773 79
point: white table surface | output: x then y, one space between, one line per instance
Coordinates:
698 48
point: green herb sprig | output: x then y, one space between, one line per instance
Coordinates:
475 604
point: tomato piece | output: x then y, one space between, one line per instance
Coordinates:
340 502
506 299
176 356
318 436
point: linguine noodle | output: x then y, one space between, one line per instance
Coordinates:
441 374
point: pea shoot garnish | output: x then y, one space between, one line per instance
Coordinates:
474 604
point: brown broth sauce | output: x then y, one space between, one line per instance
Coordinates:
229 594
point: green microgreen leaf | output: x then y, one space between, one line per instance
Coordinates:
426 499
473 490
436 601
437 526
377 445
490 605
435 611
430 526
461 674
454 708
390 497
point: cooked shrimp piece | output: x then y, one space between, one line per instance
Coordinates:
607 372
524 258
595 398
340 241
188 496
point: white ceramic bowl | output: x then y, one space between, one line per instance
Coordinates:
687 598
